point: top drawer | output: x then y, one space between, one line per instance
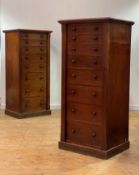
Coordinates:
35 36
95 28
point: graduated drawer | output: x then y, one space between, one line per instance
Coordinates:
84 61
34 58
29 42
89 29
34 49
84 77
34 89
86 95
36 36
85 113
34 65
84 134
86 49
34 78
33 104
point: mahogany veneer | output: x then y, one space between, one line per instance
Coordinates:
95 86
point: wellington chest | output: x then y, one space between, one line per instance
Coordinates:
27 72
95 86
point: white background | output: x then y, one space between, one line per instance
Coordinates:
44 14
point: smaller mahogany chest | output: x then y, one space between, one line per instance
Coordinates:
27 72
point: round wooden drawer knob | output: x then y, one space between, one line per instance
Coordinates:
73 110
94 94
73 92
74 29
94 113
74 38
95 38
94 61
73 131
95 49
73 61
93 134
95 77
73 75
96 28
74 49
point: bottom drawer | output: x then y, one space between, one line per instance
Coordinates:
33 104
84 134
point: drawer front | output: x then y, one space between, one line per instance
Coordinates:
33 104
85 77
86 95
38 78
34 90
87 49
34 36
34 57
85 113
29 42
34 50
84 134
84 61
88 29
34 66
84 38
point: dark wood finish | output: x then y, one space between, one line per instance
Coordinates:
27 72
95 86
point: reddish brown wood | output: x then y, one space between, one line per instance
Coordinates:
95 85
27 72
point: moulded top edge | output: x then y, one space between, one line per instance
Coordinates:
27 30
99 20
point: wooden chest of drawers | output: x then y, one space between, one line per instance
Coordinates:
27 72
95 86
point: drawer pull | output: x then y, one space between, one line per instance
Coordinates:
94 61
27 67
41 90
74 29
96 28
41 78
95 77
41 104
26 105
74 38
95 38
74 49
27 91
73 75
93 134
41 49
41 67
95 49
73 92
94 113
41 58
94 94
73 61
73 110
73 131
26 78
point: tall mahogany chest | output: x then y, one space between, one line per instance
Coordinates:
95 86
27 72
